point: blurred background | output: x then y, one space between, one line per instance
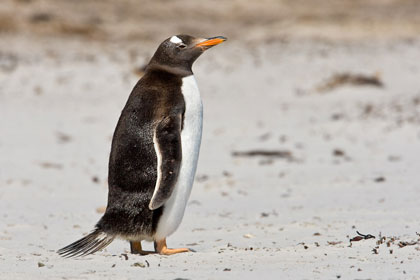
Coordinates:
311 132
248 21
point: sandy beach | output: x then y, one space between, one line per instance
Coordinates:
310 135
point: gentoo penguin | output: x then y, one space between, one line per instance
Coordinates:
154 153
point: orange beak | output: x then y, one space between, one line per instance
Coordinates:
211 41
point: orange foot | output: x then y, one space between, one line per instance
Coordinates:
135 247
162 249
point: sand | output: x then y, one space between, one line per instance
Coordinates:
344 158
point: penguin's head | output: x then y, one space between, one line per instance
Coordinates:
178 53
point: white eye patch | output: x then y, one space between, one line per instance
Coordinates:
175 40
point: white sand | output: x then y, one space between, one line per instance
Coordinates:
248 217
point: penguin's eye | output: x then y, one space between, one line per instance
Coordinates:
182 46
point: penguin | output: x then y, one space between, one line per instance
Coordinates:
154 153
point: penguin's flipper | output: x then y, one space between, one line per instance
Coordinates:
167 142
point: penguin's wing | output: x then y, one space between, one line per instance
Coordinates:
167 142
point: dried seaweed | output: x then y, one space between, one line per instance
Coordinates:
342 79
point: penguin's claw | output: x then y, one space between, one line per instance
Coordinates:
162 249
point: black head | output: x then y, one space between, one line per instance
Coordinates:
178 53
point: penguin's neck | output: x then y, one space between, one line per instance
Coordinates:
177 71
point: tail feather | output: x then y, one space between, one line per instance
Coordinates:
93 242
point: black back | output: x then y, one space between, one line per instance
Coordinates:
133 160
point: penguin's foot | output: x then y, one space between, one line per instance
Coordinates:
135 247
162 249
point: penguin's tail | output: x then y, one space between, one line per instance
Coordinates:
93 242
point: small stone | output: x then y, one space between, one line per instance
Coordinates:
227 269
138 264
380 179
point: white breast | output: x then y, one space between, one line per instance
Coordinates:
174 208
